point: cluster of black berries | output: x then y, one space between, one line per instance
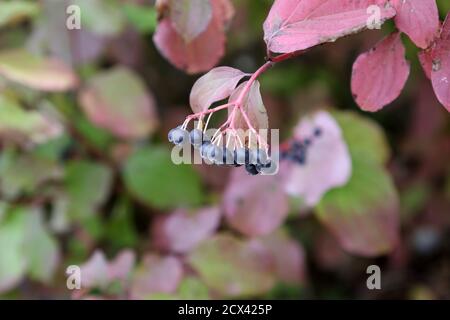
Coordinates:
298 150
256 161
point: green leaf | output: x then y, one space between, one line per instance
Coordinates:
143 18
364 214
14 11
364 137
153 178
13 260
192 289
40 248
20 125
232 267
100 138
23 174
87 186
120 229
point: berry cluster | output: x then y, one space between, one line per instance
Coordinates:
296 151
256 160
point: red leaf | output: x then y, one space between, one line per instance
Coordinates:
298 24
214 86
256 206
440 75
201 53
182 231
379 75
419 19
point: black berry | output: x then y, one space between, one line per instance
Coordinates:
196 137
251 169
179 136
317 132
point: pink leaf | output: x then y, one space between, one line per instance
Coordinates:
97 272
203 52
122 266
253 105
379 75
256 206
328 163
214 86
190 17
440 75
419 19
299 24
182 231
156 275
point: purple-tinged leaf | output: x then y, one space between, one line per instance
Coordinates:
289 257
156 275
419 19
117 100
294 25
440 71
45 74
328 164
214 86
232 267
254 207
380 75
190 17
182 231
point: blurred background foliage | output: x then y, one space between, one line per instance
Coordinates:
86 176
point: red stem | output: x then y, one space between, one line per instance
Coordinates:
286 56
